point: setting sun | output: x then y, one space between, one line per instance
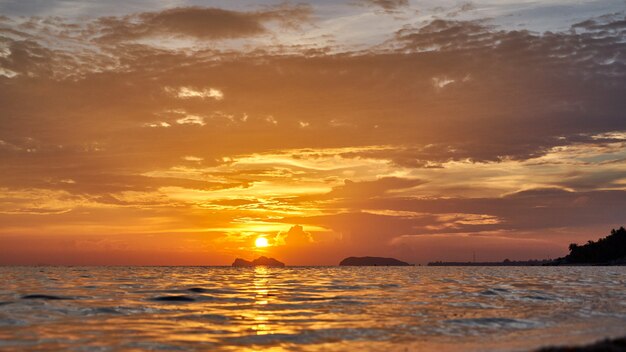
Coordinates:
261 242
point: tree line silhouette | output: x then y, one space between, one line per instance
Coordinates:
607 250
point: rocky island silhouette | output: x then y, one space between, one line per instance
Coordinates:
372 261
260 261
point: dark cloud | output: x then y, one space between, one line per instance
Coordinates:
605 24
27 57
526 210
461 8
199 22
387 5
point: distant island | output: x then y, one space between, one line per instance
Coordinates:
505 262
260 261
372 261
610 250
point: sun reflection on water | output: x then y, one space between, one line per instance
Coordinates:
262 295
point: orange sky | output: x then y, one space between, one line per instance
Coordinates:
139 133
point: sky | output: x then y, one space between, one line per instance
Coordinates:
178 132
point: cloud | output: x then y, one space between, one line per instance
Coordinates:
532 209
357 191
387 5
604 24
536 91
191 120
296 236
188 92
7 73
522 81
368 189
441 82
370 148
25 57
200 23
158 124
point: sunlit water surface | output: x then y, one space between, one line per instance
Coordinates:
308 309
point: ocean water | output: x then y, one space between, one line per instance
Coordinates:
308 309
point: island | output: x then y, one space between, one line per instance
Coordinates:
372 261
610 250
260 261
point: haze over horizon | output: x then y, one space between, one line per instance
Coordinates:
181 132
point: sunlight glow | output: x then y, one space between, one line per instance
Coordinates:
261 242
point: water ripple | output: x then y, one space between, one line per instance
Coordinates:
308 309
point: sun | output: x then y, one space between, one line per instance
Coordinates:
261 242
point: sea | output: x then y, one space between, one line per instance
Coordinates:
308 308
